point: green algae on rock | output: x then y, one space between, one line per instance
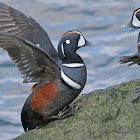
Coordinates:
112 113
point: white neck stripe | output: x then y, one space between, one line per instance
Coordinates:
69 81
73 65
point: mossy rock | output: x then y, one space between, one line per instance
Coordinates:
106 114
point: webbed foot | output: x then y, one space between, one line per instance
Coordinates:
66 112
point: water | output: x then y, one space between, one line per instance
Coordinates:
99 21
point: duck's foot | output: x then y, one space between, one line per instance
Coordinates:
66 112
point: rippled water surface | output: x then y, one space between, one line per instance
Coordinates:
99 21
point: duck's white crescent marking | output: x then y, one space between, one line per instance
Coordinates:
73 65
135 21
81 41
62 49
69 81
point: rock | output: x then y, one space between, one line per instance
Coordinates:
112 113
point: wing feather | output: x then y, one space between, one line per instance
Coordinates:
33 63
16 23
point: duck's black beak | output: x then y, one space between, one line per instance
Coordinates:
130 25
89 44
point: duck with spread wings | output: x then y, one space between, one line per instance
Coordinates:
59 77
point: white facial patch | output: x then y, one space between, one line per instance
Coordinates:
69 81
81 41
62 49
135 21
67 41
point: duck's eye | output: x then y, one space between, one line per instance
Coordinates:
67 41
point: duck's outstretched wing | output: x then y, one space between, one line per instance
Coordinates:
16 23
33 63
133 59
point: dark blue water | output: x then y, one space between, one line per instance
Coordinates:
99 21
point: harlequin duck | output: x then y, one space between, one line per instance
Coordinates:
59 77
134 24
